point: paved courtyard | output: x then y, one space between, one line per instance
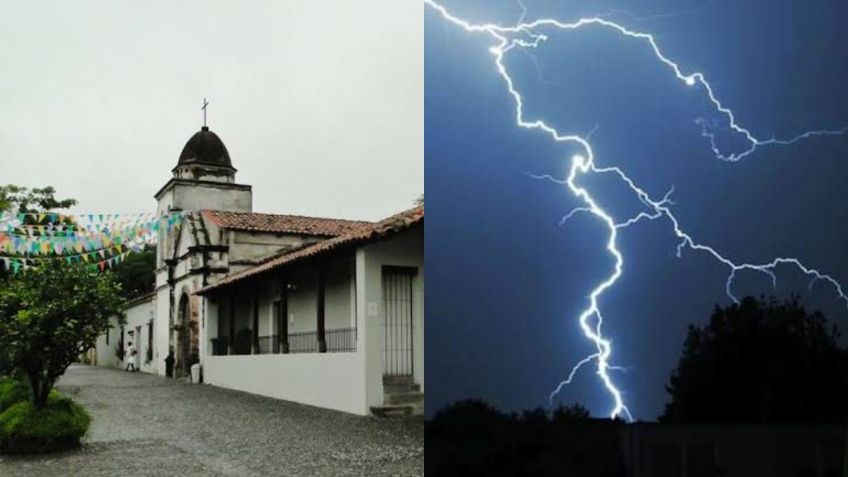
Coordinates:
148 425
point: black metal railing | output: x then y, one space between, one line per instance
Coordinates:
304 342
340 340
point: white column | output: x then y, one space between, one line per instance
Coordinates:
368 327
354 299
208 326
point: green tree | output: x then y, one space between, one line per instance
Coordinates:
51 314
18 199
760 361
136 273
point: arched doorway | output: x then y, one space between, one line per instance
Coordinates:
187 352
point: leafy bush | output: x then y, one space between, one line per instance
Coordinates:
16 390
62 418
13 391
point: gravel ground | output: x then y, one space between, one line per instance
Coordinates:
148 425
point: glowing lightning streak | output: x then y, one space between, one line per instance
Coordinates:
583 164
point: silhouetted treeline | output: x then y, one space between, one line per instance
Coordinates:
472 438
761 361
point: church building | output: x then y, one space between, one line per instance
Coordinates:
321 311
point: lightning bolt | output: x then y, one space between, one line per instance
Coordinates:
526 35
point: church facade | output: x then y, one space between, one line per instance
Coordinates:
322 311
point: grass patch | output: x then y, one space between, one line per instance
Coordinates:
59 426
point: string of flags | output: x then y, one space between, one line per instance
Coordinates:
17 263
98 240
134 246
54 222
37 243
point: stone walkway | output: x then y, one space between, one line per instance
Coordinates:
148 425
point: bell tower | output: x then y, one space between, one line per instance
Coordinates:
204 178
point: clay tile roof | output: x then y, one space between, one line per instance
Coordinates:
375 231
293 224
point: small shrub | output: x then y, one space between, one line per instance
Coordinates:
13 391
24 428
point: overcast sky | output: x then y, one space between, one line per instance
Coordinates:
319 102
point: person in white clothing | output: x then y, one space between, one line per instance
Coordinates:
130 358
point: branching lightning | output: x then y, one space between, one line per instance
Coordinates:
527 35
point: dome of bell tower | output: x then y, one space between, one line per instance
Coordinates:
205 148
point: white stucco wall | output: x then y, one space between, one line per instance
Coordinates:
252 247
162 307
200 196
405 250
137 316
105 347
330 380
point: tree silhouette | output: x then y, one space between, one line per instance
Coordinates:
472 438
760 361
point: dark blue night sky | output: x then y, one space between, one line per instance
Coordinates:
506 282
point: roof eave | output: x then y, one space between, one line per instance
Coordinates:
346 245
